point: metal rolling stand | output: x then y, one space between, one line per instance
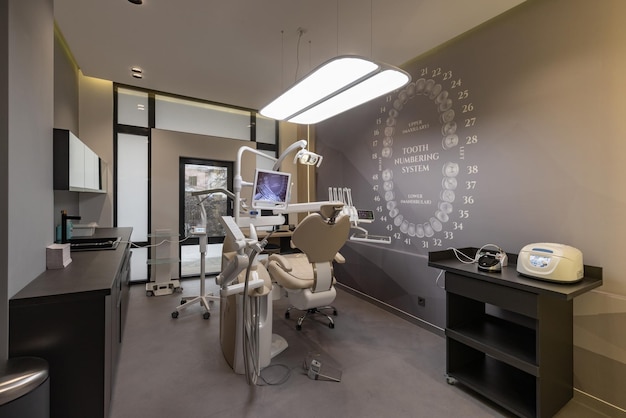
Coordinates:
203 298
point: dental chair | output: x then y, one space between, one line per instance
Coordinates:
308 277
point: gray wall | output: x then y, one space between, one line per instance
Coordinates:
65 87
84 105
96 130
545 86
30 142
28 104
4 180
66 98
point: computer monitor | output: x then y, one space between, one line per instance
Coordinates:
366 216
270 189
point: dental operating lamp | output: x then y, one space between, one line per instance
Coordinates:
308 157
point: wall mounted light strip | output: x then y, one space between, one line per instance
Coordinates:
340 84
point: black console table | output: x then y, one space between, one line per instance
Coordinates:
509 337
74 319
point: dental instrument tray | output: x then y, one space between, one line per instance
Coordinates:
551 262
94 243
376 239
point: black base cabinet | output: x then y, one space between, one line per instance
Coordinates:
73 318
508 337
75 337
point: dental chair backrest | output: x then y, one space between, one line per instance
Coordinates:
321 235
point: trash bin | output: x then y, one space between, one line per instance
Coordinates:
24 388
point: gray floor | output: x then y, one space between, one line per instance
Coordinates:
389 367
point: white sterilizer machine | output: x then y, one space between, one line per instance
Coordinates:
552 262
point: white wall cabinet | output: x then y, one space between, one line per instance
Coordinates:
77 167
76 162
92 170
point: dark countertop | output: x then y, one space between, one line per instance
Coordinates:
446 260
89 271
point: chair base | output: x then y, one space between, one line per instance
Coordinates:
190 300
313 311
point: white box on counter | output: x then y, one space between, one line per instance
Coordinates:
58 256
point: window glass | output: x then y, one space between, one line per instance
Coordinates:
132 107
265 130
182 115
132 184
211 206
139 264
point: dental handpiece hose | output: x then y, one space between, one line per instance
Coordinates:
251 377
250 351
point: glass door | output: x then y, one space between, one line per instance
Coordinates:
203 209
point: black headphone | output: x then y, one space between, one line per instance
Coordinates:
490 259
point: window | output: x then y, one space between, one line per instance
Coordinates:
183 115
137 111
203 210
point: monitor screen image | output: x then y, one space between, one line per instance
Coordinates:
270 189
365 215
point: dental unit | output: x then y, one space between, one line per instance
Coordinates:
246 289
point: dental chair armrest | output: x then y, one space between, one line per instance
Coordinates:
282 261
339 258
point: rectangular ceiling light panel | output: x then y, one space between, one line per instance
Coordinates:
326 82
379 84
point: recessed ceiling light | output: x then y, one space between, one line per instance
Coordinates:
137 75
136 1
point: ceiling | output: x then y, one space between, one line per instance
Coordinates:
246 52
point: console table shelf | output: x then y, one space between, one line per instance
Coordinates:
512 343
503 384
509 337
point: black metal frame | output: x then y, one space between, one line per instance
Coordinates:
147 131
